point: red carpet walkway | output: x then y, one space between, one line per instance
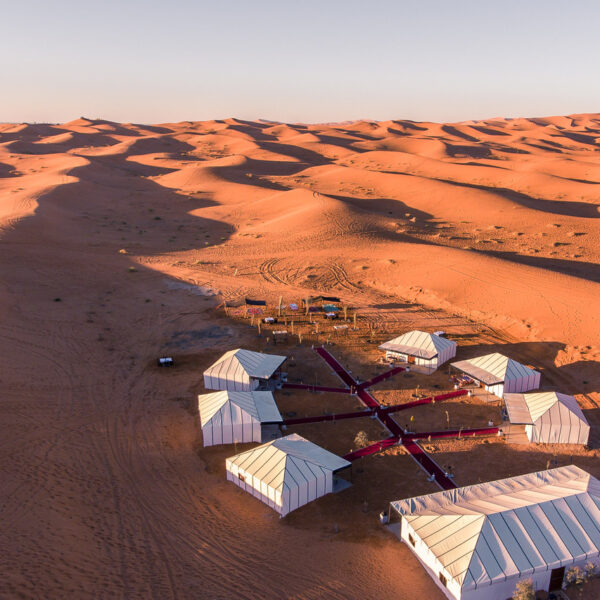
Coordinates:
428 464
315 388
382 377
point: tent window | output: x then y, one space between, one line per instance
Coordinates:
241 477
443 579
411 539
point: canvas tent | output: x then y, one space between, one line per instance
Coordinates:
499 374
420 348
237 417
286 473
548 417
243 371
478 541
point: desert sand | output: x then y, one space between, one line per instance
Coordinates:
120 242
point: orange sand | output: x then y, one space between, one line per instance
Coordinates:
141 231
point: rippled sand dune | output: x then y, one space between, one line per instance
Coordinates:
102 227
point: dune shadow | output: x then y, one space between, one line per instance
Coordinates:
488 130
556 207
7 171
450 130
581 269
464 151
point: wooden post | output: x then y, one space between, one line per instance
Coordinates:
306 301
354 320
252 320
279 307
258 325
292 327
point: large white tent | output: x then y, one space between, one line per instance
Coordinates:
478 541
499 374
420 348
242 371
285 473
236 417
548 417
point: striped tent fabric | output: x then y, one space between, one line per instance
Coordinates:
241 370
285 473
235 417
428 349
549 417
500 374
482 539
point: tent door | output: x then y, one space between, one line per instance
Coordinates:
556 579
411 360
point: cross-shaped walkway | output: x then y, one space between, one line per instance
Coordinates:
408 440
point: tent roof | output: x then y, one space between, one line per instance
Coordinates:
490 531
287 461
258 405
255 364
418 343
526 409
493 368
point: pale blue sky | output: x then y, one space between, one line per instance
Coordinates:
304 61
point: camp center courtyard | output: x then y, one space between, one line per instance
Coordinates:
391 474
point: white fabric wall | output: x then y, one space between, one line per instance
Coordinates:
497 389
257 488
294 495
307 491
504 589
427 557
228 433
446 354
240 383
522 384
423 362
558 426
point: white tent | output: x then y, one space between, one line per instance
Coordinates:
478 541
549 417
236 417
242 370
499 374
286 473
420 348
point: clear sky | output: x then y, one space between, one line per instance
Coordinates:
297 61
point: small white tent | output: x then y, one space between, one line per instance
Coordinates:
420 348
286 473
549 417
499 374
236 417
242 371
478 541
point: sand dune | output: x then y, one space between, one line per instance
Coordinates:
112 233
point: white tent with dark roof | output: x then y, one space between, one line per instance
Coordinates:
285 473
237 417
243 371
420 348
478 541
548 417
499 374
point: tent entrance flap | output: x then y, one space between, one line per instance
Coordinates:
556 579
